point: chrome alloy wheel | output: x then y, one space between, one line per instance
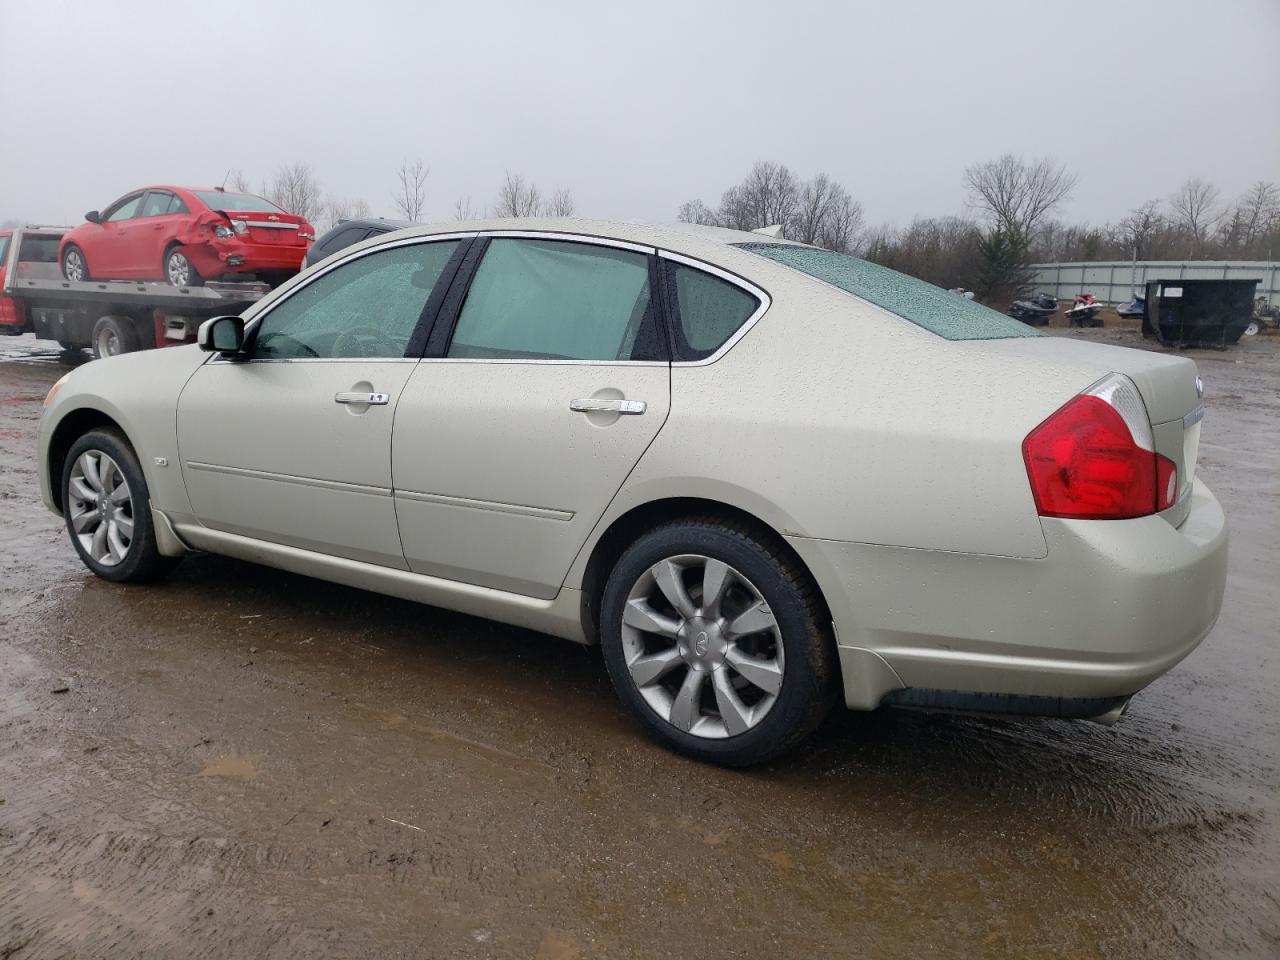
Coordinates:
178 269
702 646
73 265
100 507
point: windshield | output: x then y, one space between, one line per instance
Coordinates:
938 311
217 200
4 249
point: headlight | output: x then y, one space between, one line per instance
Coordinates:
53 391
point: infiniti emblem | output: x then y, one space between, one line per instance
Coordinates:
700 644
1199 388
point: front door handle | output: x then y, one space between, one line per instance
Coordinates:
593 405
351 396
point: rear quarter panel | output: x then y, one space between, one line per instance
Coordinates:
835 419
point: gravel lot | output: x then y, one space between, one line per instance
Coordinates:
241 762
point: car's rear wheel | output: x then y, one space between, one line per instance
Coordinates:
74 266
113 336
179 271
107 507
715 639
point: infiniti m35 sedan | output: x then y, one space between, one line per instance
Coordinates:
764 477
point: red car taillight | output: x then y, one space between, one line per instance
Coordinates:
1095 459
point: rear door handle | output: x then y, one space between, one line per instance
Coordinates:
374 399
592 405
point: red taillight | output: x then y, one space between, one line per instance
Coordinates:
1085 462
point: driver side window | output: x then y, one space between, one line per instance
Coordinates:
366 308
125 210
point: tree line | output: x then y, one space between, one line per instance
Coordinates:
296 188
1008 225
1009 220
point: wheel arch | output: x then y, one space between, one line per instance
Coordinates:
69 429
623 530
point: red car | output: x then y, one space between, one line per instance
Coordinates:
186 236
12 318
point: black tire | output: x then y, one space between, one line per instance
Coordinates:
809 686
142 560
113 336
71 252
176 265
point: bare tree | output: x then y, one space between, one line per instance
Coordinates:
463 210
825 215
517 197
1196 210
294 188
337 209
1016 194
237 181
1257 211
1139 228
695 211
410 195
561 203
768 196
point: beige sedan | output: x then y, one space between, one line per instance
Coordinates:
762 476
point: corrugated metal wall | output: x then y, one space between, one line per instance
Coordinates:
1112 281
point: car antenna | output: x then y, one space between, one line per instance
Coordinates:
222 187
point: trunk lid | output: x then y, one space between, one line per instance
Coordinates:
1170 386
272 227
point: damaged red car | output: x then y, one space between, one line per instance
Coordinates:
186 236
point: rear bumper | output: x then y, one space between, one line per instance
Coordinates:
219 257
1114 605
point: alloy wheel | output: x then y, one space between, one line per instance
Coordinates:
108 343
101 507
73 265
178 269
702 646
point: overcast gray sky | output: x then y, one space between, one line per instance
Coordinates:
639 106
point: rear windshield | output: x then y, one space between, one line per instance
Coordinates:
938 311
217 200
38 249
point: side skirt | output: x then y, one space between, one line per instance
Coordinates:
560 616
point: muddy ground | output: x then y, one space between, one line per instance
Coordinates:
247 763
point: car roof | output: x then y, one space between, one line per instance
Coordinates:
672 236
371 222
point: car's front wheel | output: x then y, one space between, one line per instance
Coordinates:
74 265
107 507
716 641
179 271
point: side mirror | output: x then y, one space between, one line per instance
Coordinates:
93 216
223 335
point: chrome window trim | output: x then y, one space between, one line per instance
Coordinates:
264 311
762 297
270 225
568 237
558 363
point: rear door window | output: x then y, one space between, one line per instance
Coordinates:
557 300
709 310
159 203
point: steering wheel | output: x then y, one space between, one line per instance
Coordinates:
364 339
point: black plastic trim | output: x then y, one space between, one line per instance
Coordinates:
963 701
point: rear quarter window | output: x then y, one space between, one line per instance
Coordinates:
925 305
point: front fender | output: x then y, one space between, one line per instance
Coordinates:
137 392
